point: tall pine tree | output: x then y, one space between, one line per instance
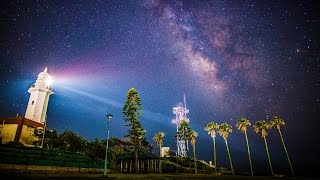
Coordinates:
131 112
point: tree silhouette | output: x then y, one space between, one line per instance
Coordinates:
261 127
277 122
131 113
242 125
158 138
224 130
193 137
211 128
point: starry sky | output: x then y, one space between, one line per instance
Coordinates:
230 59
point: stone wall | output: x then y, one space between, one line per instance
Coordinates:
8 132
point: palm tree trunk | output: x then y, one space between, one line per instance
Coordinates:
229 157
195 160
265 142
160 161
214 155
245 133
285 149
187 151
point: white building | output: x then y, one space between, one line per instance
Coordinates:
165 152
39 97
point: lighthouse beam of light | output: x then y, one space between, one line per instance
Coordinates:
93 97
146 113
68 83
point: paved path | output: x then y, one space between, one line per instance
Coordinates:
150 176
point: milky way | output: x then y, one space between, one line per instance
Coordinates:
230 59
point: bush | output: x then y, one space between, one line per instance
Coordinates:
168 168
224 171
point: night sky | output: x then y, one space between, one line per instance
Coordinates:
231 59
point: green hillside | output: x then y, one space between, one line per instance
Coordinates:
36 156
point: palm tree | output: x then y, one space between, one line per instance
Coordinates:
261 127
224 130
158 138
211 128
277 122
242 126
193 136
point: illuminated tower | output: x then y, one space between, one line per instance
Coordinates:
181 112
39 97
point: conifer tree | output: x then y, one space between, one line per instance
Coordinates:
131 114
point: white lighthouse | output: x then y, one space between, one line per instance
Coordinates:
40 92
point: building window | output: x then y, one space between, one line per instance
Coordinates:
32 103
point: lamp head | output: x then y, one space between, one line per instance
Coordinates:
49 80
109 116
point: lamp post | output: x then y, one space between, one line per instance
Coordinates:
2 130
2 125
44 131
109 116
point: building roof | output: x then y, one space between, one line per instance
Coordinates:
141 155
19 120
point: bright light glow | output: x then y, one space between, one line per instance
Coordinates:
49 81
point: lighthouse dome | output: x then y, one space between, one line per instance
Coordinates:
44 73
44 79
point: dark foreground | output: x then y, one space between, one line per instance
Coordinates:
149 176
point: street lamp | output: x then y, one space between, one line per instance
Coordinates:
109 116
2 125
44 130
2 129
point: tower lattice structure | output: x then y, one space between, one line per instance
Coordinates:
181 112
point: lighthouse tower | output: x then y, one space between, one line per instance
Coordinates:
39 97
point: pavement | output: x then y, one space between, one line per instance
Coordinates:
144 176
